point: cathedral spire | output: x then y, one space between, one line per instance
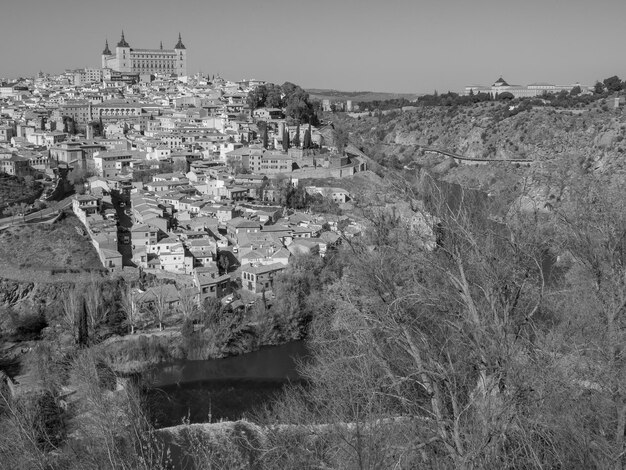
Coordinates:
106 50
122 42
179 44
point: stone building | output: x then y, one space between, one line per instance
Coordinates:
146 61
520 91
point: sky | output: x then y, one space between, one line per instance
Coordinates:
402 46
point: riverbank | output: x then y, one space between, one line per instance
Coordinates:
131 354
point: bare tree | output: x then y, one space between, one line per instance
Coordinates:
71 306
113 428
94 304
592 227
128 305
439 335
160 303
25 441
211 312
188 303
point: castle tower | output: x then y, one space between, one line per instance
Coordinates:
181 58
106 53
122 53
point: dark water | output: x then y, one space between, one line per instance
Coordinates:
229 388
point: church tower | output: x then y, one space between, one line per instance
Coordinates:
122 53
181 58
106 54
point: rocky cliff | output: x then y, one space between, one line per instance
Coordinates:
498 130
22 295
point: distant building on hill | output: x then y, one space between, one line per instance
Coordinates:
521 91
146 61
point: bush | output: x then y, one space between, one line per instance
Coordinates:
187 329
28 327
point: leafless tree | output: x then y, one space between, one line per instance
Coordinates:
24 442
71 304
113 429
128 305
160 304
188 303
96 310
592 227
441 335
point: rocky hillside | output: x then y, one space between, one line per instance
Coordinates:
586 139
499 130
24 295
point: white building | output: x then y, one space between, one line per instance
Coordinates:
520 91
113 163
146 61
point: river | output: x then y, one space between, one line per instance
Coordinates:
229 388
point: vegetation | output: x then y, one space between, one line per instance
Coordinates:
44 247
482 351
102 429
16 190
471 355
462 330
293 99
383 105
145 176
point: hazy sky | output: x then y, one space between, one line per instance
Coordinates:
393 45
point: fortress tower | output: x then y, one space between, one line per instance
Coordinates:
146 61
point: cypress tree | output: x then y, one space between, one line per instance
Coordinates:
296 138
265 136
83 332
286 138
307 138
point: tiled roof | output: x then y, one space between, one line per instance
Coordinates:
265 268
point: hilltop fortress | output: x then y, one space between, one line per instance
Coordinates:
146 61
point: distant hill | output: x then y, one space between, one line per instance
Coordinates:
357 96
587 139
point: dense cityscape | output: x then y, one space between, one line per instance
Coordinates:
172 173
199 272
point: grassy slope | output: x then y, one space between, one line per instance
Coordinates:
29 252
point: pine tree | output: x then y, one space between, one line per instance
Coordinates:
296 138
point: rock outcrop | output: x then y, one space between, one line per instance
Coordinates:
13 292
22 295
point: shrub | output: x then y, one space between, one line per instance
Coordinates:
28 327
187 328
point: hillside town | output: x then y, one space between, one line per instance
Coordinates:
177 174
335 266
